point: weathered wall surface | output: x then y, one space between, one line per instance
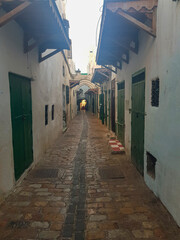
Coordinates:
160 57
46 88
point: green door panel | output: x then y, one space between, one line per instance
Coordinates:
21 118
102 107
105 104
109 109
120 116
137 121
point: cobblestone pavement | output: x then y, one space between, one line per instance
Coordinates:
81 191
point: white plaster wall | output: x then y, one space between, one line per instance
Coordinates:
161 58
46 89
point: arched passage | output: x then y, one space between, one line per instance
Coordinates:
79 101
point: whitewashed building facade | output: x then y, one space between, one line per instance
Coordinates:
141 39
33 72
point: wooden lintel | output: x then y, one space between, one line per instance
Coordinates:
41 59
14 13
136 23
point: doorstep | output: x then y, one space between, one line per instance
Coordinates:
116 147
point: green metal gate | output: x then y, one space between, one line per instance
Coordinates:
137 121
101 102
21 117
120 115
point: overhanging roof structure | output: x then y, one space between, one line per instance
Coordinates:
120 25
41 22
101 75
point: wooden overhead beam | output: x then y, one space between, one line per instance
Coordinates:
118 64
41 59
103 74
14 13
137 23
126 58
37 42
114 71
126 44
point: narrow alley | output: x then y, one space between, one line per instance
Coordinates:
82 191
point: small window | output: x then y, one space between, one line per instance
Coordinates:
155 93
46 114
151 165
52 112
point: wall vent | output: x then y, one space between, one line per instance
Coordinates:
151 165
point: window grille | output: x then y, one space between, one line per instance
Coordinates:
52 112
155 93
46 114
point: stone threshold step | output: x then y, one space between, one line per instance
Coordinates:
116 147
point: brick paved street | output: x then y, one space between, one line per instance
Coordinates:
81 191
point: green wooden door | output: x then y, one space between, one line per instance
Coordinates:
105 104
101 107
120 115
137 121
21 117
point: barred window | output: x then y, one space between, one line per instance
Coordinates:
46 114
155 93
52 112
